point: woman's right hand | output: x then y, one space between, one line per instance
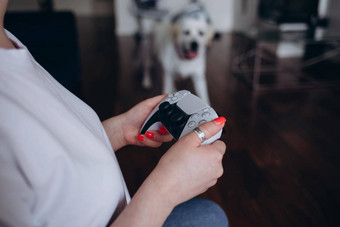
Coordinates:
188 169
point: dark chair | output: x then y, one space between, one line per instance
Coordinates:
52 39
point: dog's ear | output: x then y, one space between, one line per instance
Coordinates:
210 35
175 30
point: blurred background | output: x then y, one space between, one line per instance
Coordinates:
273 70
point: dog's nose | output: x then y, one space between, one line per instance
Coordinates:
194 46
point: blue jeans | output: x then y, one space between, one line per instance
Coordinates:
197 212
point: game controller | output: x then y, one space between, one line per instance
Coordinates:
180 113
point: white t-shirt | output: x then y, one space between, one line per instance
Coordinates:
57 167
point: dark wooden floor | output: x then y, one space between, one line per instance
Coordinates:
282 166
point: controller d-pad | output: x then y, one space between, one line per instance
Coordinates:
176 117
164 106
166 110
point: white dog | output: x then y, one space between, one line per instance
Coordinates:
180 47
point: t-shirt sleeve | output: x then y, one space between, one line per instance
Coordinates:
16 196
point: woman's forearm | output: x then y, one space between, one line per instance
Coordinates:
148 207
113 129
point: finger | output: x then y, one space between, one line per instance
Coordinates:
159 137
220 146
209 129
163 130
145 107
153 102
144 141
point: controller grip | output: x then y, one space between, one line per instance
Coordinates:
150 122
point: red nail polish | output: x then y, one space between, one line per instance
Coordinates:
140 137
150 135
220 120
163 130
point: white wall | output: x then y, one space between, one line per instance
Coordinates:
79 7
221 13
86 7
20 5
226 15
334 18
245 14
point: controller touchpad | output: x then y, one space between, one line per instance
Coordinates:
191 105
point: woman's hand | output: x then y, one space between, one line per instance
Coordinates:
124 129
188 169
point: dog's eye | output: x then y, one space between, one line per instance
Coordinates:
201 33
186 32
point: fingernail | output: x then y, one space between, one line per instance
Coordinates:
150 135
163 130
140 137
220 120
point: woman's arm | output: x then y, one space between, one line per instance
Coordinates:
186 170
148 207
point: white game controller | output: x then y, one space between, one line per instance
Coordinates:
180 113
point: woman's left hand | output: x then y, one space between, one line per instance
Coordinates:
124 129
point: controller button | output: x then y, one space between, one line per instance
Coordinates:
201 122
164 105
174 98
191 124
167 112
206 114
206 109
182 124
195 116
176 117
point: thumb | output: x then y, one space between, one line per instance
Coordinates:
152 102
209 129
146 106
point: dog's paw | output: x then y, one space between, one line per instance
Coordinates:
146 83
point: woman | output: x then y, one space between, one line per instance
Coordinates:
57 161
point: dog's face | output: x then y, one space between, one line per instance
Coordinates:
191 35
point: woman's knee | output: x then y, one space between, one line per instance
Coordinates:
197 212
